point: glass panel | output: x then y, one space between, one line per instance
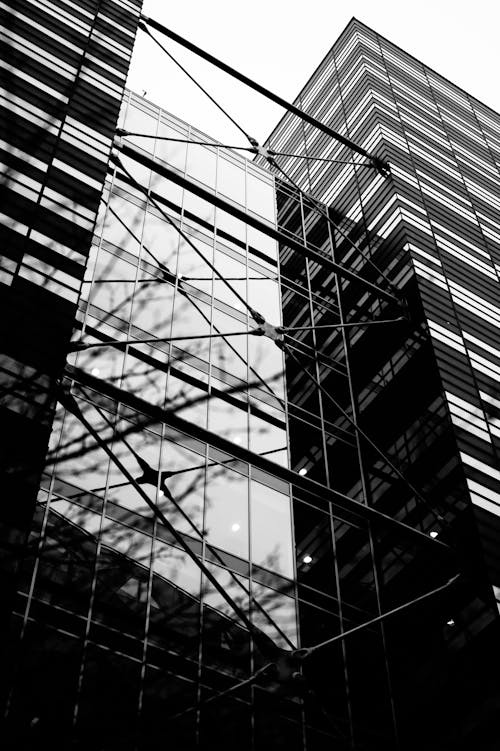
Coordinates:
137 121
161 239
152 309
104 363
115 232
264 296
224 356
177 567
147 446
236 274
271 529
228 421
113 296
126 541
232 226
143 379
189 321
281 609
267 360
170 151
189 402
138 172
268 439
167 189
260 197
231 180
192 265
230 583
226 510
80 459
186 486
200 208
262 242
201 164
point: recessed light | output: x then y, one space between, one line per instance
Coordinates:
307 559
433 534
95 371
303 471
235 527
450 622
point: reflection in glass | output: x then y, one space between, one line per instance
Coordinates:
114 296
127 541
230 583
226 510
176 567
193 321
143 379
146 444
194 267
80 459
265 438
282 610
227 420
187 400
152 307
115 232
271 530
186 487
235 272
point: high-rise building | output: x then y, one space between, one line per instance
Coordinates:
220 490
426 392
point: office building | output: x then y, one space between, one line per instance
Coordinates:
208 501
427 392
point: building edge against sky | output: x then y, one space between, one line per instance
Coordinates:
114 623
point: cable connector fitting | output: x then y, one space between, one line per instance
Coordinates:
275 333
381 166
121 132
261 150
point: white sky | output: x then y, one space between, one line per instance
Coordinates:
279 43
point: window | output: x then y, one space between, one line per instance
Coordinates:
231 180
226 510
260 197
201 163
271 530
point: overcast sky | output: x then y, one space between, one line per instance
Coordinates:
279 43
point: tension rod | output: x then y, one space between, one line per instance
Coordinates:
380 165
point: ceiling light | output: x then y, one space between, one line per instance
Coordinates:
450 622
235 527
434 534
303 471
307 559
95 371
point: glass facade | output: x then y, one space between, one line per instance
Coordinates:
214 501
